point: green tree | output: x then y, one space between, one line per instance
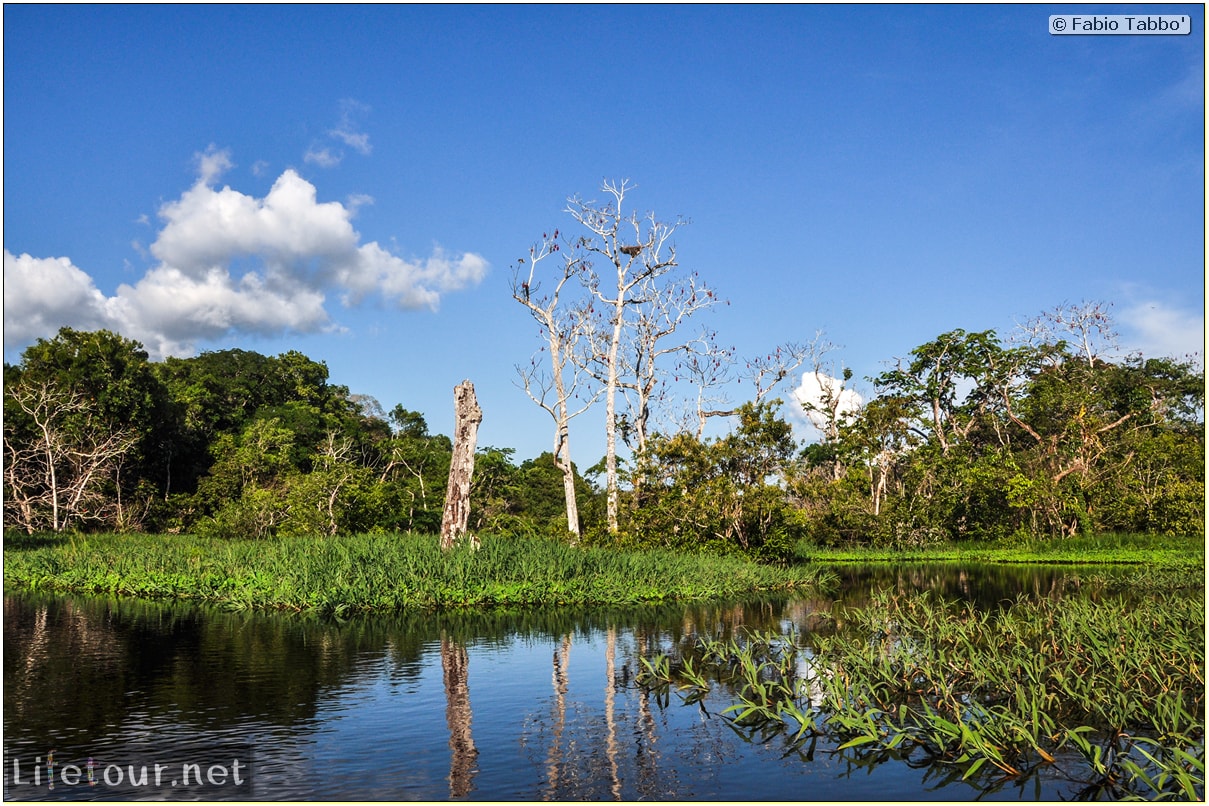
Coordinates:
411 468
86 425
246 487
726 494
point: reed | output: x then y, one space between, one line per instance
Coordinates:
381 572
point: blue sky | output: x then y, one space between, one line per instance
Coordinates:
357 182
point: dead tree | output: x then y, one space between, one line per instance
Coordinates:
461 466
626 268
563 326
765 373
660 310
1088 324
61 472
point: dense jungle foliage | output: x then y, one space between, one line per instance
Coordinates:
967 439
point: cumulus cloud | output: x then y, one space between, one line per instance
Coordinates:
821 393
232 263
1159 329
43 294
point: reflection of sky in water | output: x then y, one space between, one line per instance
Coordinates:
381 739
363 710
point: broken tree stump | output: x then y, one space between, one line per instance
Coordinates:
461 467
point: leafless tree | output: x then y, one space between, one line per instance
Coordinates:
650 353
59 477
335 453
763 372
708 367
635 252
1088 325
467 417
564 326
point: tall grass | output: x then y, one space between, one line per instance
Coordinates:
364 573
1107 548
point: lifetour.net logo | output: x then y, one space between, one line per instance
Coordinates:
217 774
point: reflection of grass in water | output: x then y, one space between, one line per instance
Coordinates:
362 573
1107 693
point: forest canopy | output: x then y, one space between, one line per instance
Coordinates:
967 438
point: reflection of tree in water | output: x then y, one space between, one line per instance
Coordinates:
88 670
646 755
986 585
580 761
77 669
562 658
635 756
463 753
53 656
610 716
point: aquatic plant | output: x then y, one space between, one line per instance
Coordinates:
1109 693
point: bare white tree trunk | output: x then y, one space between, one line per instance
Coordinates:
461 466
562 461
635 263
66 470
563 326
612 498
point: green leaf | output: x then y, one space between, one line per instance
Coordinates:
858 741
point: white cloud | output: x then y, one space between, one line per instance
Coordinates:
43 294
347 132
1161 330
356 201
169 310
357 140
212 164
206 227
322 157
823 392
233 263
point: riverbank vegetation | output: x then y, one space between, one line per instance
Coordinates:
1108 694
345 575
1153 551
1048 432
972 443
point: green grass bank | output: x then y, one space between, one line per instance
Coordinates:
1106 549
380 572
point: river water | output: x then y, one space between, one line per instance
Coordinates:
507 705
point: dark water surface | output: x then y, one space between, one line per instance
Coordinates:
527 705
